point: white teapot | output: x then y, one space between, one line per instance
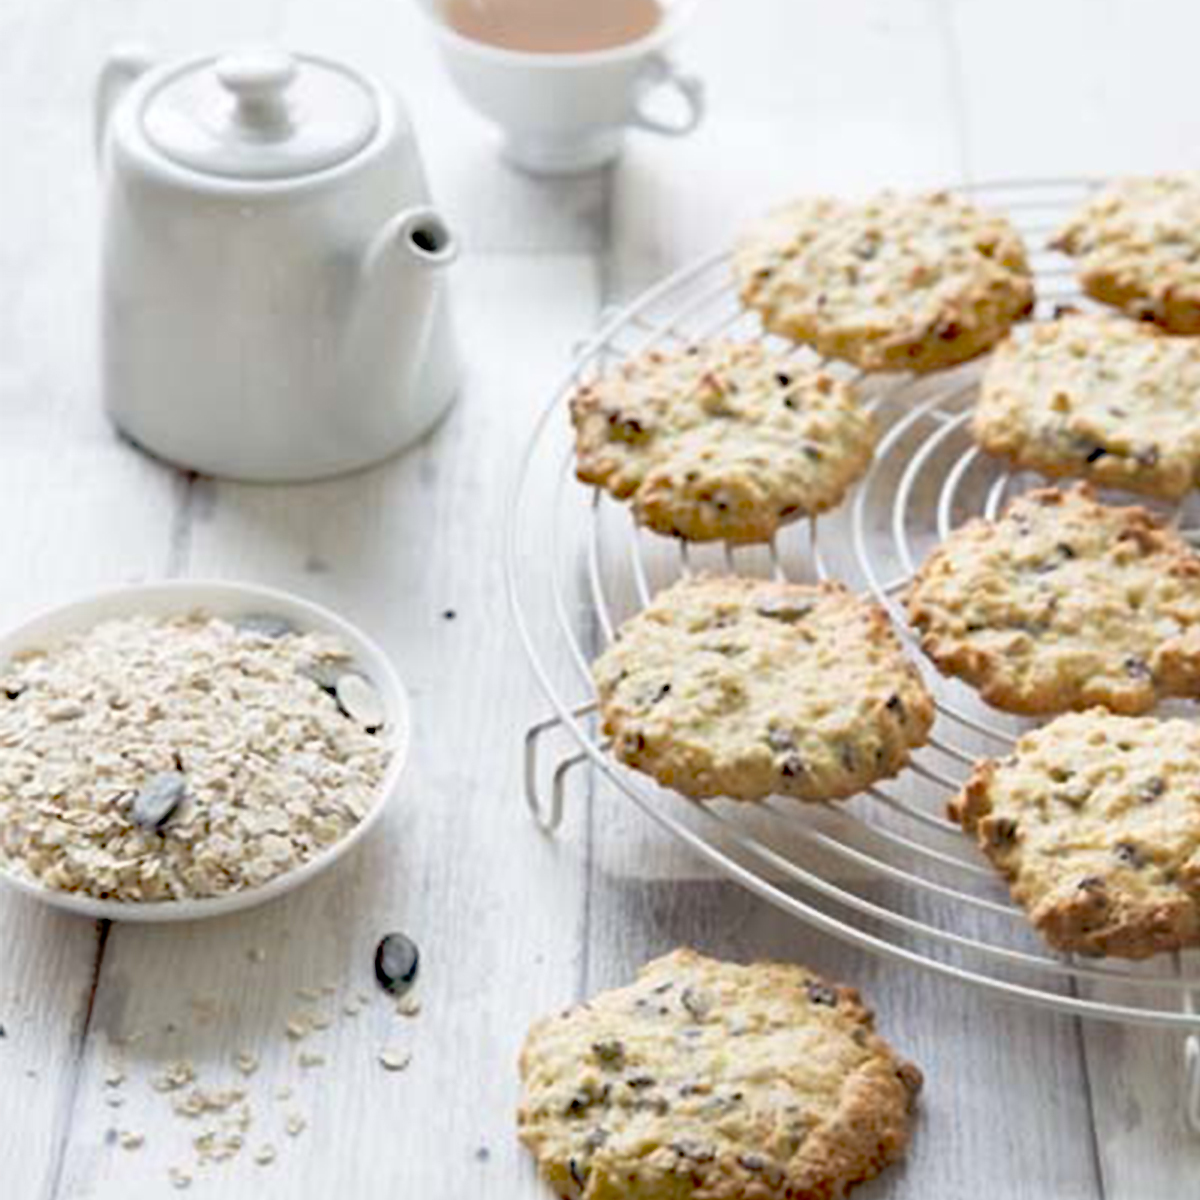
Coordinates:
273 304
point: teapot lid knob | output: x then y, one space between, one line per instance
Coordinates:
262 114
259 80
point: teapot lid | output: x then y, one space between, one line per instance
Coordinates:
260 115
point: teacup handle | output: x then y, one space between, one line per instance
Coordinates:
660 71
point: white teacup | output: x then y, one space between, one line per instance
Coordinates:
566 113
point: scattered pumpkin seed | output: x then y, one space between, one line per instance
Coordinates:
397 961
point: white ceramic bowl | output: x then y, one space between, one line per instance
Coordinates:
221 600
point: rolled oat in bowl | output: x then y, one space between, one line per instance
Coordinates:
184 757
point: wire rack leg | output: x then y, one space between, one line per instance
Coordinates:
1191 1082
549 817
1191 1061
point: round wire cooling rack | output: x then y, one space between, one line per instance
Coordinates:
886 870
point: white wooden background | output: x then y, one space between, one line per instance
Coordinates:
804 94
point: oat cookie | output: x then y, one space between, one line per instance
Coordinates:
896 283
744 688
1137 242
1063 603
721 440
1098 397
716 1081
1095 823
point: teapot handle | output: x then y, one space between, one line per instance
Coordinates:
123 65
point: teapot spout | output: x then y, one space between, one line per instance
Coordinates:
408 248
121 68
399 287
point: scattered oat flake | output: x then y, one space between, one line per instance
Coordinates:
283 1093
264 1155
246 1061
394 1060
198 1101
409 1006
179 1178
206 1008
131 1141
307 993
256 954
295 1124
114 1077
114 1101
309 1058
351 1009
298 1027
190 1105
177 1075
213 1146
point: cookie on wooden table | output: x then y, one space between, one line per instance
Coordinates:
1095 823
721 440
1097 397
707 1080
1063 603
745 688
895 283
1137 246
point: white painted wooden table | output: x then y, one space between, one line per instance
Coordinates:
804 94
